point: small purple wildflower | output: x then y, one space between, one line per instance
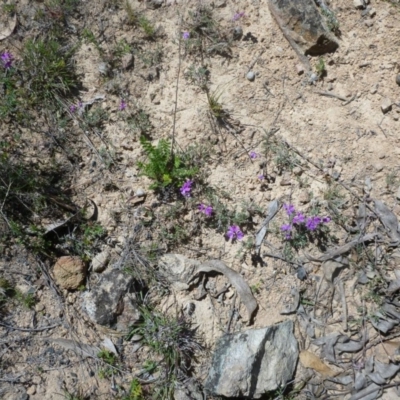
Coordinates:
234 232
186 188
253 155
299 218
6 58
261 177
312 223
286 227
238 15
72 108
289 208
207 210
185 35
326 220
122 105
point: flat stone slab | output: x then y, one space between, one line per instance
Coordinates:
253 362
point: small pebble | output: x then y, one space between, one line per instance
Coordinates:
251 76
313 78
103 68
398 79
359 4
386 105
237 32
140 193
300 69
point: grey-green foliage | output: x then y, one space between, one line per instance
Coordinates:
49 70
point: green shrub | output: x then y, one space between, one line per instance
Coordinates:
163 166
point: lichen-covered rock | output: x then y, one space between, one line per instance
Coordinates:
69 272
303 26
253 362
177 270
111 300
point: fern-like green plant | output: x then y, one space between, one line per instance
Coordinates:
163 165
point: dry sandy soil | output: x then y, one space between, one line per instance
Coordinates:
345 135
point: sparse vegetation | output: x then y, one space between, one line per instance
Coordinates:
163 166
171 339
96 99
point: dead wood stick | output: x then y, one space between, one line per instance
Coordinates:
328 94
344 305
15 328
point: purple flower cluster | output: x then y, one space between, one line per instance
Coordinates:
185 35
186 188
73 107
207 210
122 105
234 232
253 155
6 59
238 15
299 219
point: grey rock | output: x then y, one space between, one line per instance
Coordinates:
177 270
153 4
335 175
359 4
100 260
398 79
386 105
237 32
220 3
110 298
251 76
104 68
303 26
140 193
127 61
374 89
252 362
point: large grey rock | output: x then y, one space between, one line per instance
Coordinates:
304 28
253 362
111 298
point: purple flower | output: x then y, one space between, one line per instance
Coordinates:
286 227
186 188
6 59
289 208
325 220
253 155
313 223
122 105
238 15
207 210
234 232
288 236
185 35
298 219
261 177
72 108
